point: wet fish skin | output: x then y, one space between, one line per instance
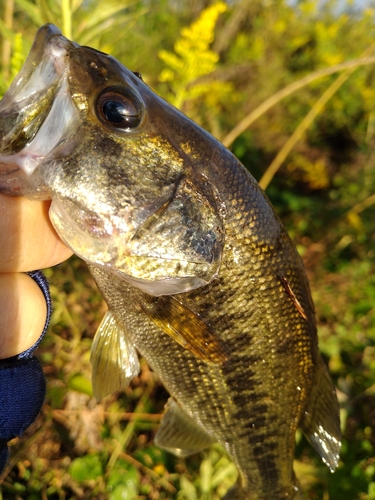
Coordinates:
197 270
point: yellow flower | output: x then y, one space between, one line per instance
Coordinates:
192 57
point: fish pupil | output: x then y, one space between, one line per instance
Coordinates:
115 112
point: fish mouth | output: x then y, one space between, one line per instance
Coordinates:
36 111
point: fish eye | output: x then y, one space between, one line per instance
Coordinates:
120 108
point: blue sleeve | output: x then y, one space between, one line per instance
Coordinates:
22 385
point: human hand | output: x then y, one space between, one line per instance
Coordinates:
28 242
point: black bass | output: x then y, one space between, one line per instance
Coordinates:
198 272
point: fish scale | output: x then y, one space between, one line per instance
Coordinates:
196 268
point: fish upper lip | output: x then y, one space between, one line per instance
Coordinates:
35 87
38 72
34 101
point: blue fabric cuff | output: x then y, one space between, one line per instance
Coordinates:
42 282
22 385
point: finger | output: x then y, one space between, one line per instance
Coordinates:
28 240
23 313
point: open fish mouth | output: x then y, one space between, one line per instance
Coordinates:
36 112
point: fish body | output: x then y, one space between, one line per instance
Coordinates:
197 270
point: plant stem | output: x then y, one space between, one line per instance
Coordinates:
129 429
362 205
300 130
307 121
6 52
66 18
288 90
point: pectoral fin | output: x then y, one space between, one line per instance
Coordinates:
321 423
187 328
179 434
114 360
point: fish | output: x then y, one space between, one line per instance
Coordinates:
198 272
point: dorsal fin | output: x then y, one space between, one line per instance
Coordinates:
179 434
321 422
114 360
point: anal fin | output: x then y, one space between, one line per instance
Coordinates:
179 434
321 422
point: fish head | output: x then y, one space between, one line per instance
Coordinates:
118 162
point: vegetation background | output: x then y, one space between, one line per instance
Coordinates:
291 90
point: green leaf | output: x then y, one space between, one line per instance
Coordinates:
6 32
84 468
51 11
32 11
123 483
206 471
227 473
187 489
81 384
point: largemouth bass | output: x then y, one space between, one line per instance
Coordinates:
198 272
